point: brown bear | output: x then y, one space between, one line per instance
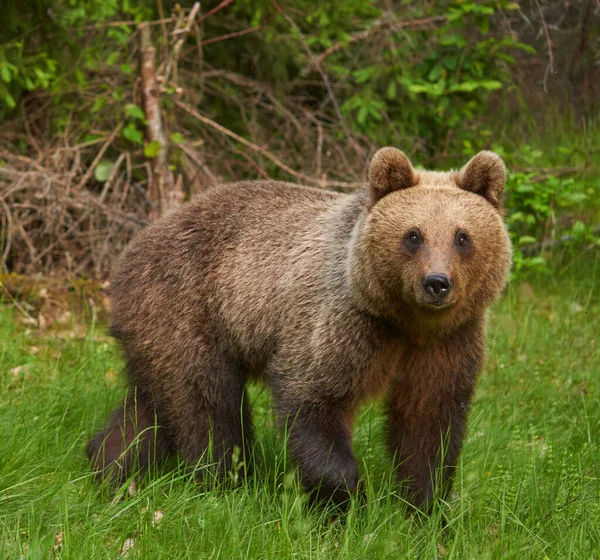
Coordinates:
332 299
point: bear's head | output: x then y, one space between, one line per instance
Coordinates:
432 248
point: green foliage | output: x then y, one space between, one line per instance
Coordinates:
46 45
430 84
548 210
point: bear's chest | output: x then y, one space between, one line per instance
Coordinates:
373 376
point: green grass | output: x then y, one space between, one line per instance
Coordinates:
528 485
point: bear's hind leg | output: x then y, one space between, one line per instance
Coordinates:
132 440
211 421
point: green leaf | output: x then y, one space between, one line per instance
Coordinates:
435 73
527 240
537 261
464 86
135 112
578 229
391 90
152 149
113 57
103 171
525 188
9 100
177 138
364 74
131 133
5 73
98 104
126 68
491 84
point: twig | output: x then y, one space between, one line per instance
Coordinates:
222 5
319 147
163 27
550 66
172 62
163 191
241 80
260 170
230 35
7 244
98 157
201 164
259 149
111 177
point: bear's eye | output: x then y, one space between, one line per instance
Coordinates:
414 237
462 239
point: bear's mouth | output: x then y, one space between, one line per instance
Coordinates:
435 303
438 305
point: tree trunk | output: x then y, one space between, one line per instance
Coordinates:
163 190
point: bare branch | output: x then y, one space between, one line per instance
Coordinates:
261 150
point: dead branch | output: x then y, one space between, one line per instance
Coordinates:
261 150
222 5
98 157
357 148
230 35
189 152
182 32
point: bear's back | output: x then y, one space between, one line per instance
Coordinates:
227 263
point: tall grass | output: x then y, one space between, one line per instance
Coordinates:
527 487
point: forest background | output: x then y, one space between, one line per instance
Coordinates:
92 147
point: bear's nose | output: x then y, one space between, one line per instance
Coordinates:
437 285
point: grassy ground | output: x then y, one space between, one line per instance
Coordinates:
528 484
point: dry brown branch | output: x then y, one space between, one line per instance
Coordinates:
7 227
98 157
188 151
230 35
349 136
241 80
48 227
255 165
165 42
182 32
222 5
260 150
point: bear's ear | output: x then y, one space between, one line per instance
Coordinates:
485 175
390 170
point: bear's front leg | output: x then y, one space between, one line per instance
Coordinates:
428 406
319 438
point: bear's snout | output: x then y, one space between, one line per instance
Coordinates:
437 287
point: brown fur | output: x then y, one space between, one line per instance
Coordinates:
322 294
